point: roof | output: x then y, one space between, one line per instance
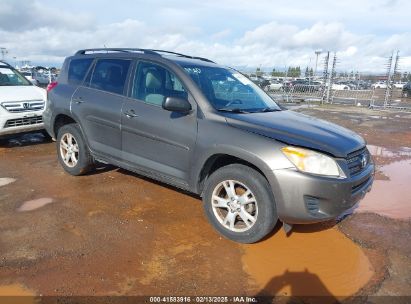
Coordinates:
174 56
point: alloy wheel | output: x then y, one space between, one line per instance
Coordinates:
69 150
234 205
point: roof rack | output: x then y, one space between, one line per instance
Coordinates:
183 55
121 50
145 51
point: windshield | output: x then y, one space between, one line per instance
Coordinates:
229 90
9 77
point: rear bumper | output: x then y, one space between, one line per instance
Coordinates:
47 119
303 198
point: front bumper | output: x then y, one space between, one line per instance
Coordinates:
303 198
13 123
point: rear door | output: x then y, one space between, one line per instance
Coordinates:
153 138
97 105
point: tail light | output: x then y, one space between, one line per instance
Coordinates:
51 86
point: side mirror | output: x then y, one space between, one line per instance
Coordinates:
176 104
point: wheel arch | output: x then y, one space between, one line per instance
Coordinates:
63 119
219 160
60 120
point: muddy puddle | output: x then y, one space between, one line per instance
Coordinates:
391 197
6 180
16 294
379 151
307 263
35 204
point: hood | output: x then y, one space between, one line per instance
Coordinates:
299 130
22 93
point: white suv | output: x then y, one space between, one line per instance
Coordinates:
21 103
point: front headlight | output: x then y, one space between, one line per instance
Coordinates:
311 162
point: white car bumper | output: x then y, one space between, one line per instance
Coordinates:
12 123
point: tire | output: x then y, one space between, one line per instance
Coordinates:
80 161
262 209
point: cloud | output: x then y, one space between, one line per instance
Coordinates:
44 34
20 15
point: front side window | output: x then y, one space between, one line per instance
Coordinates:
78 69
10 77
110 75
228 90
153 83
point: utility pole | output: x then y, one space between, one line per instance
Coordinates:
325 77
317 53
332 75
3 52
387 98
396 68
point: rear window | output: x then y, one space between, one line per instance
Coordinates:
78 69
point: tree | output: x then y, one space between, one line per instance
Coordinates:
307 72
277 73
294 72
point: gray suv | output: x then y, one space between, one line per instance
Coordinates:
191 123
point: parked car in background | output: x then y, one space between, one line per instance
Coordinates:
379 85
274 86
261 82
340 86
43 78
21 102
399 85
29 76
207 129
303 85
406 90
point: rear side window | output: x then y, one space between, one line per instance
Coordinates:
110 75
78 69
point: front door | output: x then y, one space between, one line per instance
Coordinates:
153 138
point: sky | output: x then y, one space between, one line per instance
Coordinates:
238 33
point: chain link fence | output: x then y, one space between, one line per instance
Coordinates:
320 94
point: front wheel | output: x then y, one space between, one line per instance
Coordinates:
73 153
239 203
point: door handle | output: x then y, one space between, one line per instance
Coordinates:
130 114
78 100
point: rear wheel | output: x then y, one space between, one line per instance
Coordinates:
72 150
239 203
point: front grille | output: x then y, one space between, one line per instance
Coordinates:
25 121
23 106
360 185
355 161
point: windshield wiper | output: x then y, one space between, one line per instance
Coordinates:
233 110
269 110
